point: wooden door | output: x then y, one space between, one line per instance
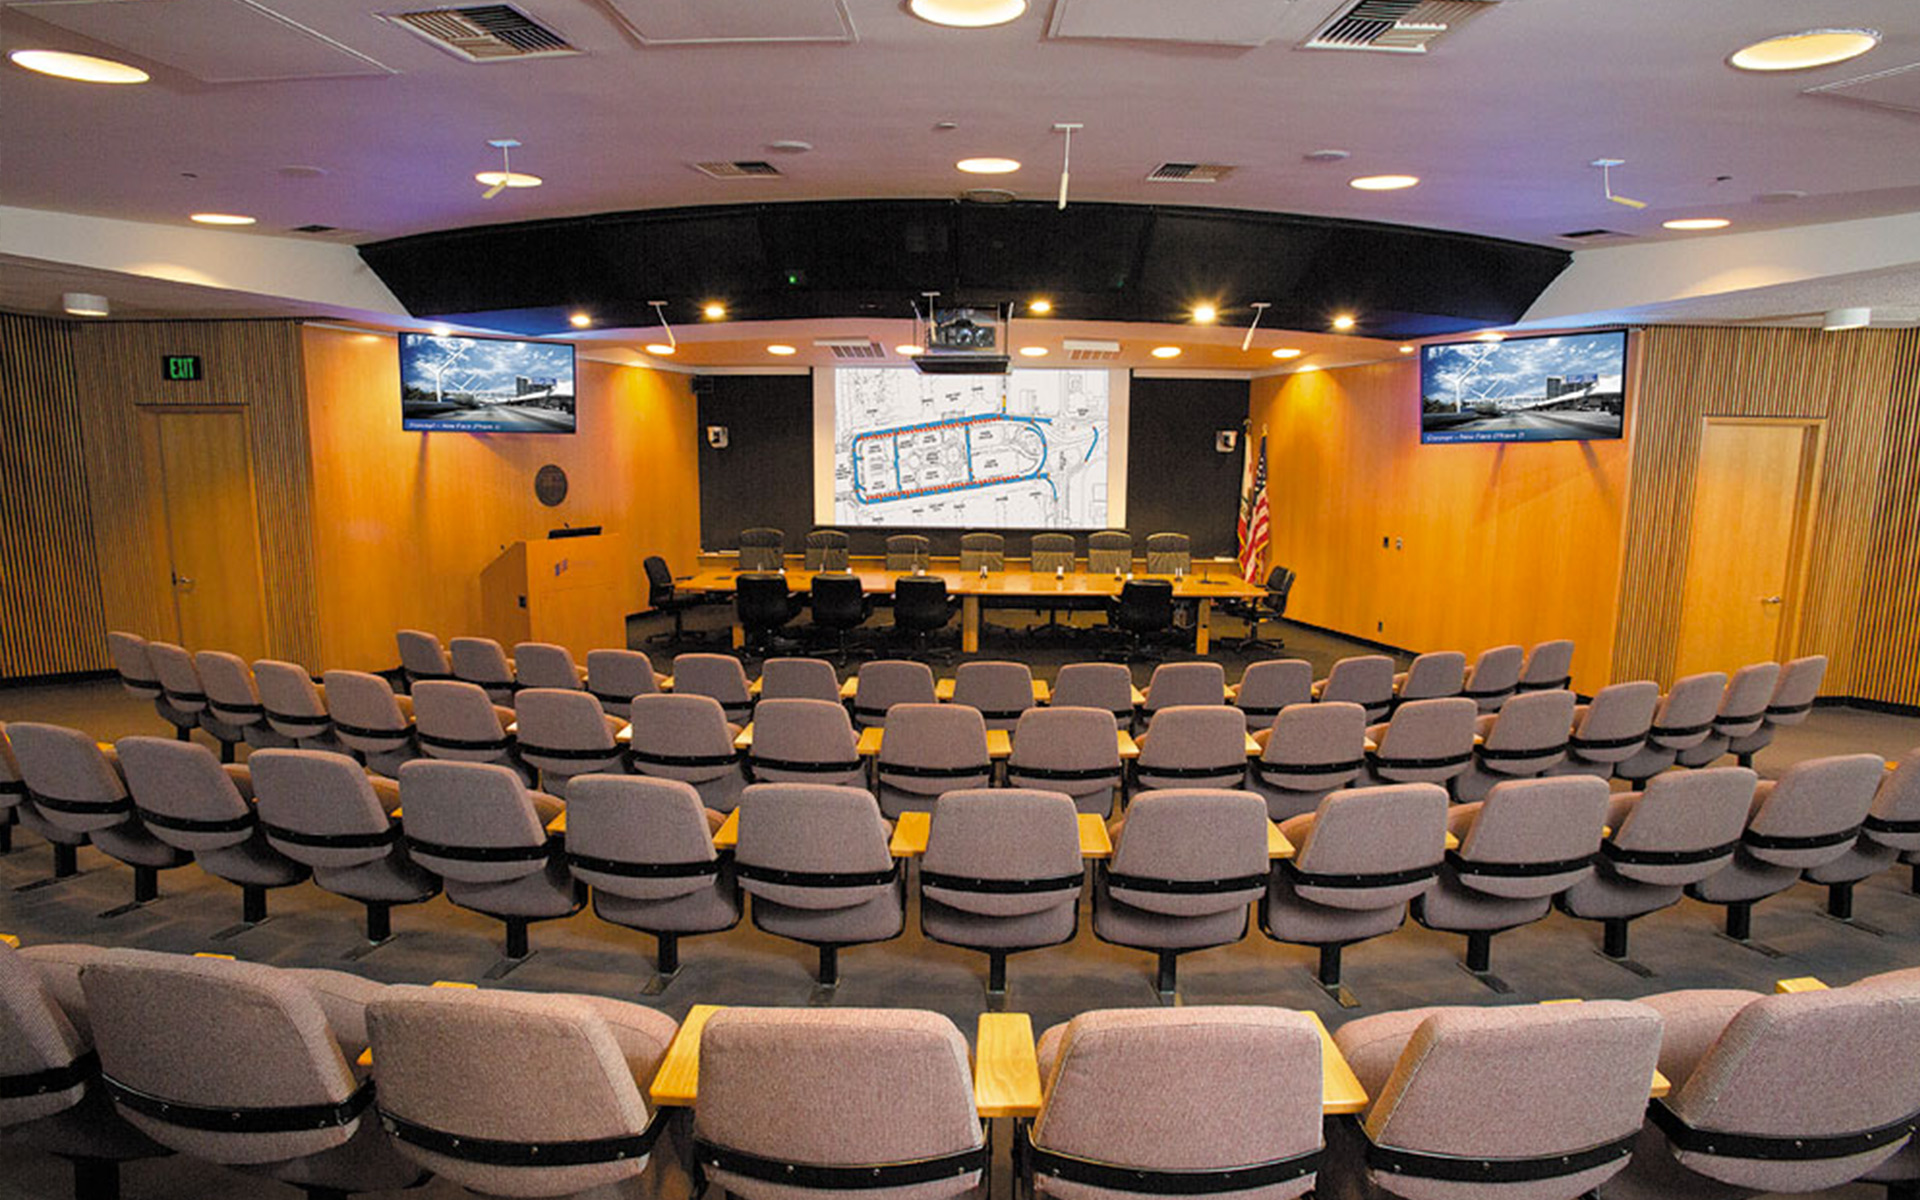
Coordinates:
213 546
1752 495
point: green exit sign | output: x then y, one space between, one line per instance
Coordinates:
182 367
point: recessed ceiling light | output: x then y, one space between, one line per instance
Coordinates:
1344 321
1490 336
84 68
967 14
781 349
1308 367
1802 51
512 179
1205 314
1033 351
713 310
1166 352
1041 306
221 219
1288 352
1697 223
1846 318
1383 183
84 304
659 348
908 349
988 166
1406 349
580 321
441 330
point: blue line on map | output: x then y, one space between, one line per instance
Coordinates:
1096 442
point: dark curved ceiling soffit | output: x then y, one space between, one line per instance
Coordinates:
1107 262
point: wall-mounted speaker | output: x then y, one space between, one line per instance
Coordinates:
1226 441
717 437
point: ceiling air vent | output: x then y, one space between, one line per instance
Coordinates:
852 348
1083 350
316 229
1395 26
484 33
738 170
1189 173
1588 235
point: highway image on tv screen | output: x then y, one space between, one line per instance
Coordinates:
1544 389
485 385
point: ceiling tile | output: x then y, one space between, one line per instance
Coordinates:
1215 23
215 41
707 22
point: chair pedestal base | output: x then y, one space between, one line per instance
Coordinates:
666 964
1328 977
1166 979
517 953
1840 909
1739 930
95 1179
1613 947
826 978
6 833
146 889
253 912
379 932
1479 961
66 865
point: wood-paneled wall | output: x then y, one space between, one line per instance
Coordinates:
1485 544
405 522
1863 571
50 615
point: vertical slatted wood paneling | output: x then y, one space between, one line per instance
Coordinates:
1887 649
50 611
251 364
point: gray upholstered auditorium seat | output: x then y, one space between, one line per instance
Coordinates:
13 792
908 552
1176 684
1233 1099
1101 685
134 666
1527 842
1549 667
1742 712
1610 728
889 1106
1185 866
1682 829
799 679
1269 686
982 550
1433 676
1360 857
1109 552
294 706
1001 873
826 550
75 794
1809 817
477 827
645 846
615 677
458 721
190 802
1068 750
1683 721
1193 746
930 749
886 682
1169 554
545 665
1363 679
816 861
239 1063
1792 699
511 1093
1572 1079
804 741
370 720
1426 741
51 1098
1527 737
717 675
1903 1169
322 810
1494 676
1308 751
187 693
1789 1093
481 661
233 700
1002 691
1891 828
687 738
763 548
565 732
422 656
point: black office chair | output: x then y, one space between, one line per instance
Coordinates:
922 607
840 605
763 606
1270 607
662 598
1144 608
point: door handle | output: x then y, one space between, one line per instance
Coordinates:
182 582
1769 599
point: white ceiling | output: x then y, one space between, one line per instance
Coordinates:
1500 119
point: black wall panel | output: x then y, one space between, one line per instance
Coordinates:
1176 481
765 475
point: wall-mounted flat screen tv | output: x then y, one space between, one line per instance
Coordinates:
485 385
1566 387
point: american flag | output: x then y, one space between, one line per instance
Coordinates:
1253 514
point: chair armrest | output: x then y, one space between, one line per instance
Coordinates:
1804 983
1006 1068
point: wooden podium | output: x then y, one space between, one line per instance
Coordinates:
560 590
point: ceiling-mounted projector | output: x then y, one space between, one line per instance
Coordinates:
962 339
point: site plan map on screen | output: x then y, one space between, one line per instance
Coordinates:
1027 450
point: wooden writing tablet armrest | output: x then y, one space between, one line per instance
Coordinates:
1006 1069
1139 697
1129 749
870 739
753 689
1095 842
558 825
999 744
677 1083
910 835
728 835
1804 983
744 739
10 939
665 684
849 688
1278 845
943 690
1340 1090
1254 748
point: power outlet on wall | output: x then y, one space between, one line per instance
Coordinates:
1379 626
1384 540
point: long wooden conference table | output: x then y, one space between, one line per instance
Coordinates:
1215 581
